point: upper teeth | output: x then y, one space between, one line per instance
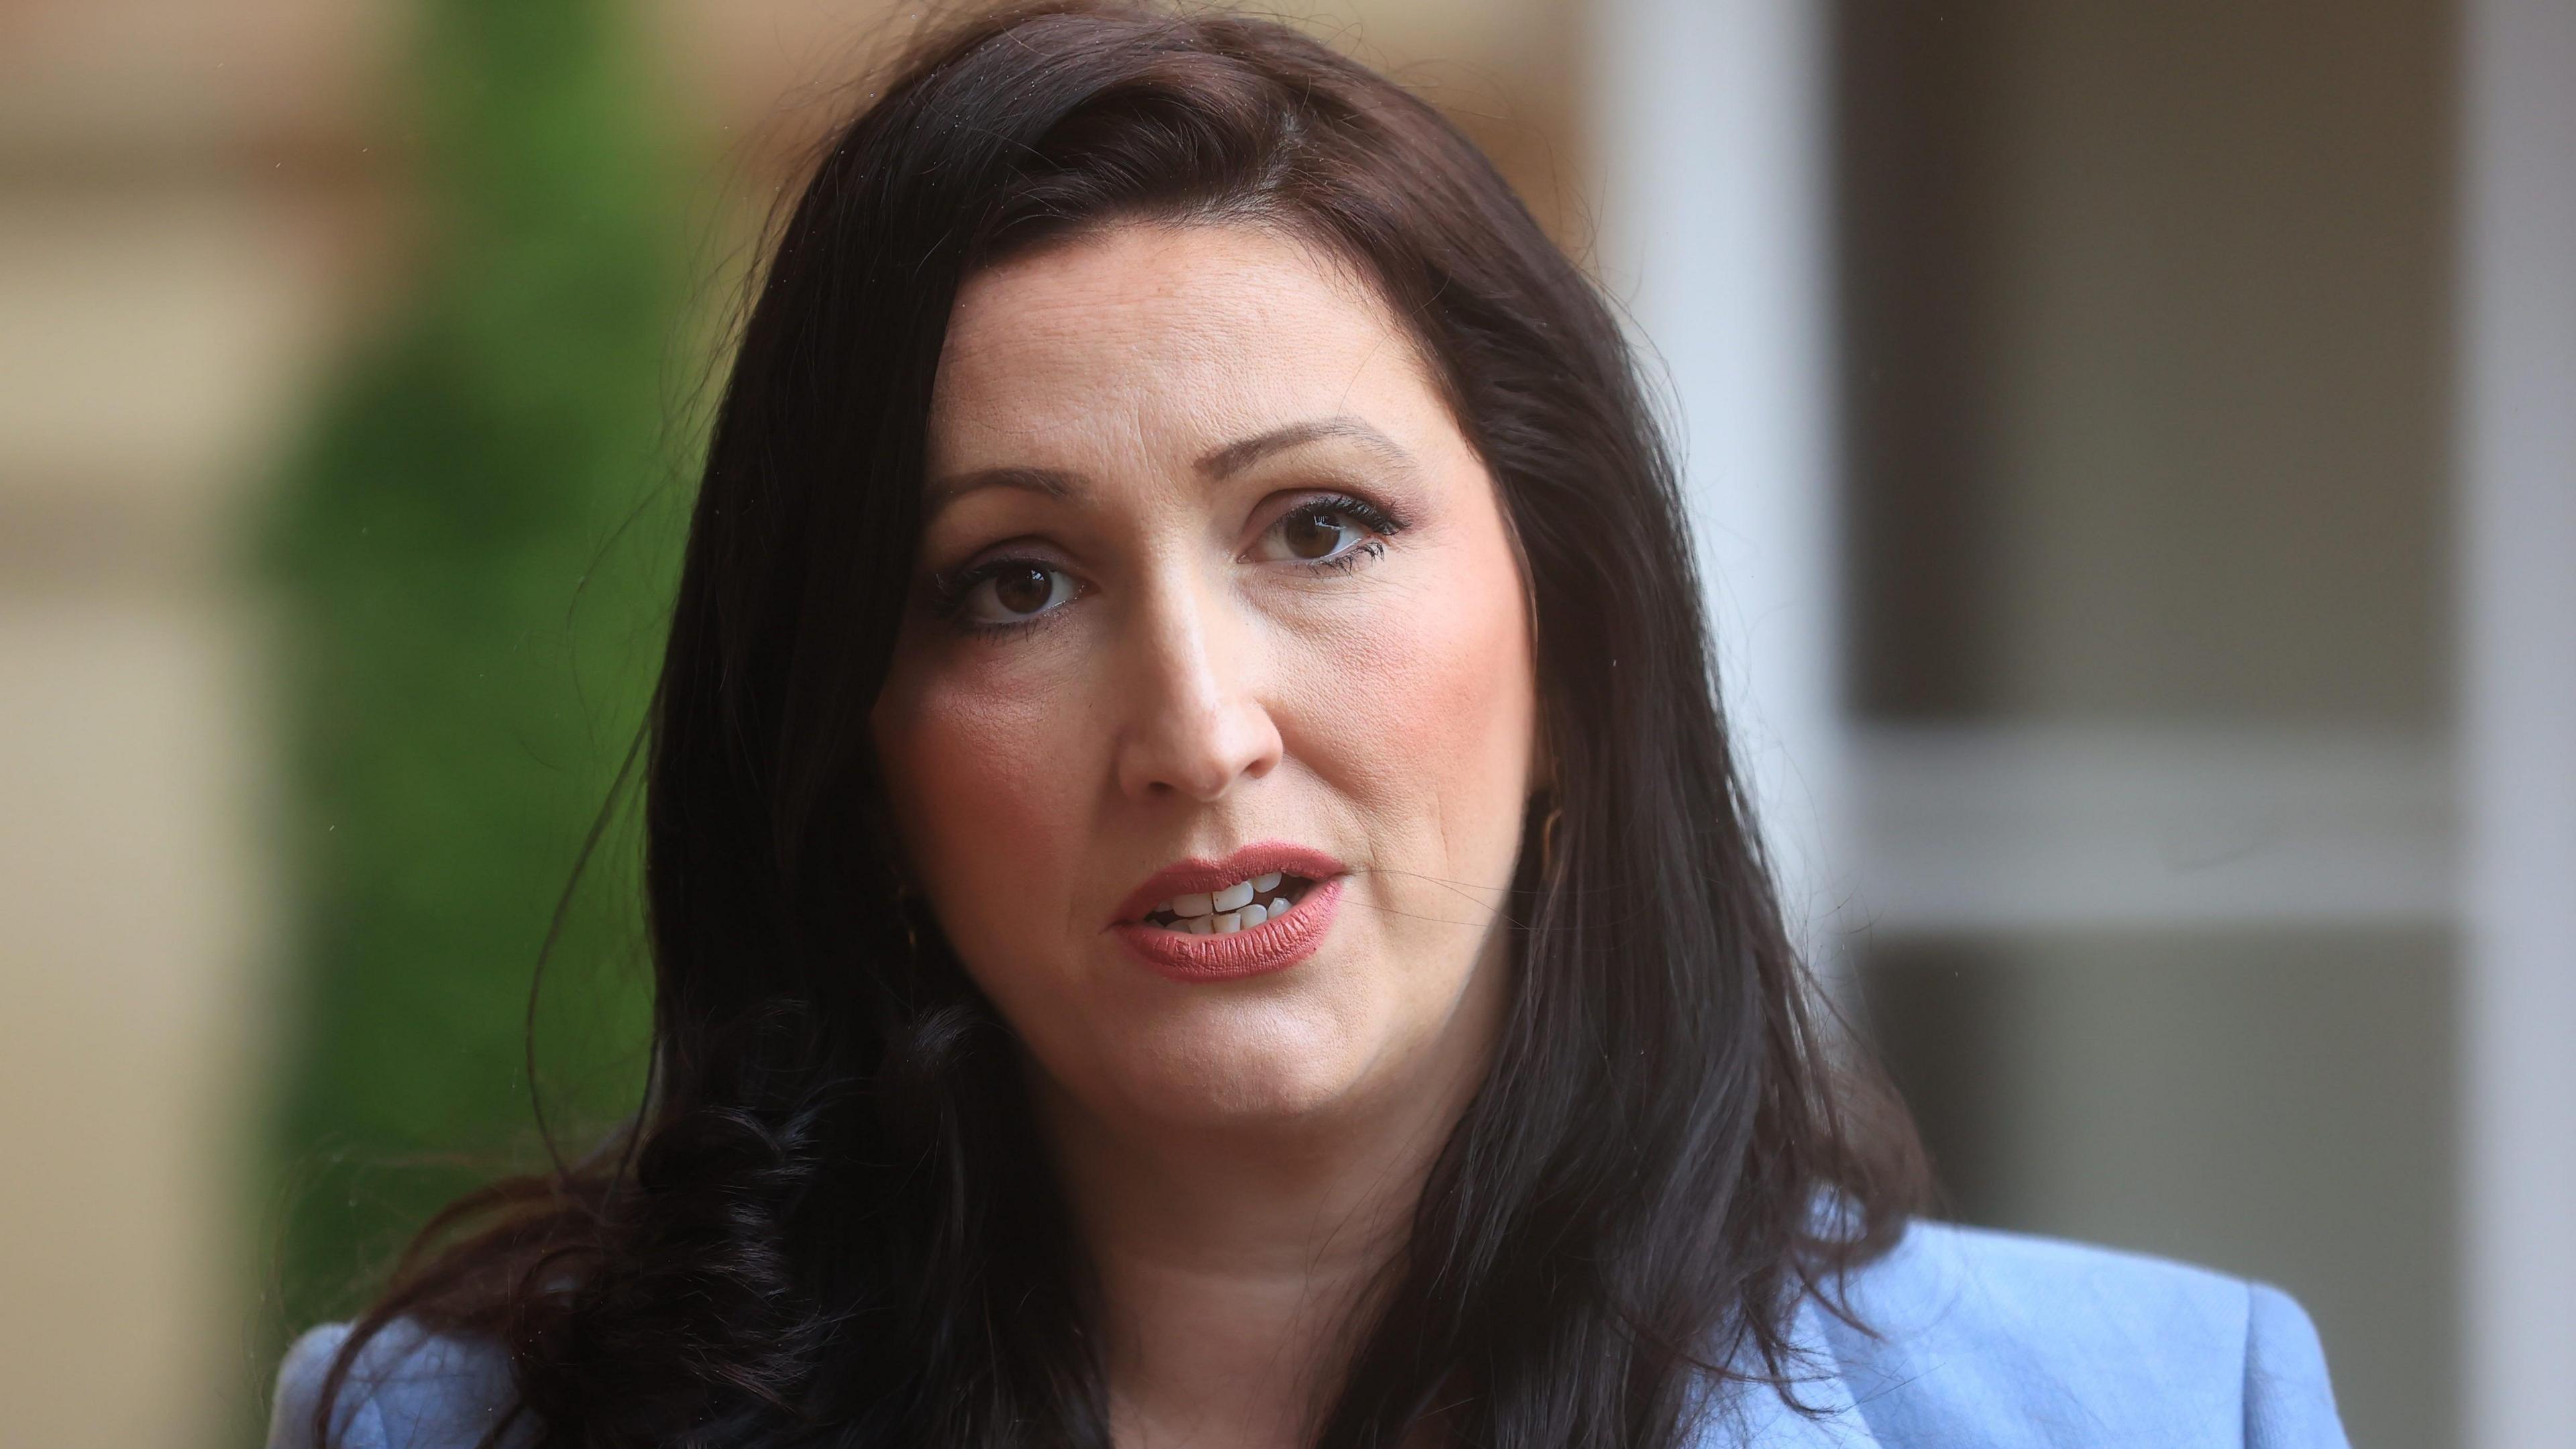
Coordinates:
1234 898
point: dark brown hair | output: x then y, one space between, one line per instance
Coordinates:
830 1221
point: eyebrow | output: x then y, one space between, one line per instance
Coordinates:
1235 457
1051 482
1217 464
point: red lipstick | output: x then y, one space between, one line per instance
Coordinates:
1274 945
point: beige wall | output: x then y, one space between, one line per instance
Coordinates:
175 227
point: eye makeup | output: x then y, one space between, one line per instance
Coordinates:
1015 576
950 595
1296 528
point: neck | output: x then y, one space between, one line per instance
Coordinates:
1234 1263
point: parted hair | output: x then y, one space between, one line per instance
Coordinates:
830 1221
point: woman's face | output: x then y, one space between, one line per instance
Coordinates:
1216 602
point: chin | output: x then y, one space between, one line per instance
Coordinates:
1240 1069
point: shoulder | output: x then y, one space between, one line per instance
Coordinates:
1975 1337
408 1389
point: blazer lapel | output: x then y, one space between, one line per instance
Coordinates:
1754 1416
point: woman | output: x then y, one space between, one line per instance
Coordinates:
1197 890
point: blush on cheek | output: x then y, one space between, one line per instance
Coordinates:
986 796
1445 694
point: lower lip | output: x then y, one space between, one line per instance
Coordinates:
1274 945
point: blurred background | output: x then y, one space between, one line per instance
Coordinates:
2134 446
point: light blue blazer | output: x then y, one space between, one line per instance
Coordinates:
1981 1341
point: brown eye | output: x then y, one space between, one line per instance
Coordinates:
1016 592
1339 533
1313 533
1023 590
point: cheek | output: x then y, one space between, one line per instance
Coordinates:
1436 714
984 801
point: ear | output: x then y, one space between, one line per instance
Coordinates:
1542 775
877 809
1543 752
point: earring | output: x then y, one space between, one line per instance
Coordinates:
1547 842
905 893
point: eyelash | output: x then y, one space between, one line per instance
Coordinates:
948 593
1368 515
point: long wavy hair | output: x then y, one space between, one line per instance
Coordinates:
830 1222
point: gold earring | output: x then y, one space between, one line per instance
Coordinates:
1547 842
904 895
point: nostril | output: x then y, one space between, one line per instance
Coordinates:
1196 742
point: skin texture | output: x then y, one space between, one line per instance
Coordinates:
1240 1155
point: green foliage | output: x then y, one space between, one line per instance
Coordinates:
472 559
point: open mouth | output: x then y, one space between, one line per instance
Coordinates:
1237 907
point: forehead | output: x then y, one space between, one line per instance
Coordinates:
1165 337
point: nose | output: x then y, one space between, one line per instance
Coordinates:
1194 720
